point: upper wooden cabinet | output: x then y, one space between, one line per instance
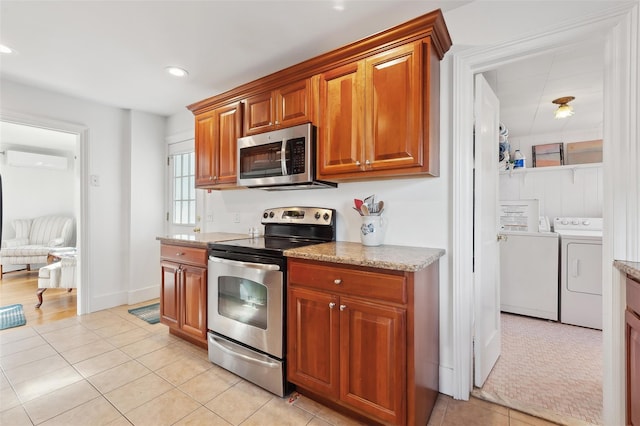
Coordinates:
375 103
217 132
375 116
284 107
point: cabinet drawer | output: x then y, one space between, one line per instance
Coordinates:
183 254
633 295
350 281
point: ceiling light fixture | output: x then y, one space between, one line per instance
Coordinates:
564 109
338 5
177 71
6 49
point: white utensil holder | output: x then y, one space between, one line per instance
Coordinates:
372 230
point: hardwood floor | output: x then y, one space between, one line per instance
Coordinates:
21 286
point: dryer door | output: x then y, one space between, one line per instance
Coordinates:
584 268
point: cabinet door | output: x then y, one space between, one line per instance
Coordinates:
393 108
205 146
169 294
193 318
293 104
259 111
229 124
633 368
341 126
313 340
373 358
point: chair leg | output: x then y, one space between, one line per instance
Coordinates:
1 272
39 294
28 267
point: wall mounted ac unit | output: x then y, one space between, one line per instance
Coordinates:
30 159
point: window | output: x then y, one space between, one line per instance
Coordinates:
184 192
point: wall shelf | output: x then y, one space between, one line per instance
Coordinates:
569 167
550 168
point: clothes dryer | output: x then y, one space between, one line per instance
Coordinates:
580 270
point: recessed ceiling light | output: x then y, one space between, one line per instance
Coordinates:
338 5
177 71
6 49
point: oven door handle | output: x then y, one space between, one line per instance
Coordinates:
217 342
263 266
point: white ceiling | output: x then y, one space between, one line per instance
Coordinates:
115 52
527 87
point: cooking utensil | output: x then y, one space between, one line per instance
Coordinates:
359 211
357 202
370 200
364 209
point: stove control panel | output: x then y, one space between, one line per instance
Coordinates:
577 223
301 215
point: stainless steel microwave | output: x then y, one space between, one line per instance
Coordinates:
280 160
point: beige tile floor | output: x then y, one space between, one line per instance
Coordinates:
111 368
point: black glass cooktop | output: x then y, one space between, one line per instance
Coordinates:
273 246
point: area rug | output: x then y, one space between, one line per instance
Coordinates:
150 313
11 316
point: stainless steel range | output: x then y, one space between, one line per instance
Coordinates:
247 293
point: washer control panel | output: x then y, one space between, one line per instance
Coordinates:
577 224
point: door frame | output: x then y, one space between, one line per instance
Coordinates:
81 199
619 26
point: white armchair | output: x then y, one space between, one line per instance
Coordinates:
34 239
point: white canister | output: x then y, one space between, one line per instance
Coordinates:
372 230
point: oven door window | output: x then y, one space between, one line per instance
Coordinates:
243 300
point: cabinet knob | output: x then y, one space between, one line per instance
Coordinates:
215 178
179 254
210 177
332 305
277 122
337 281
368 163
357 163
343 307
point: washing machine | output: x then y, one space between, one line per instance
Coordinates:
529 274
580 270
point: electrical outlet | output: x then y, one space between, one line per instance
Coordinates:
236 217
209 218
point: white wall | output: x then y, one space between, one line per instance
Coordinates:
562 191
29 192
146 200
106 254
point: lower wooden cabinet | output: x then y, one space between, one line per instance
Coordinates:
632 316
183 295
355 344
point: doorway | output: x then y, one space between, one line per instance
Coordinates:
619 27
546 367
55 136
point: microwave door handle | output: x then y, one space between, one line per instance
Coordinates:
283 157
262 266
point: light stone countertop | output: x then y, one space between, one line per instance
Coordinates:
399 258
629 268
199 240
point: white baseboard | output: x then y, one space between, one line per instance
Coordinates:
143 294
446 380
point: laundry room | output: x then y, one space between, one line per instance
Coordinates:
550 204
